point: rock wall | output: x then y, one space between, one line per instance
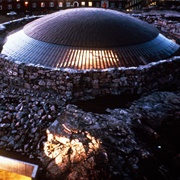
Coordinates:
118 145
72 84
161 22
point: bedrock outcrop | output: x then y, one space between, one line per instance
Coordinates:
85 145
72 143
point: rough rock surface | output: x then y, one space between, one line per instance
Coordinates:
72 143
24 117
84 145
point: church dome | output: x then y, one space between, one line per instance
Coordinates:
88 38
91 27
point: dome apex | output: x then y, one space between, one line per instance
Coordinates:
91 27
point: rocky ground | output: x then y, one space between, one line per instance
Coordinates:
138 140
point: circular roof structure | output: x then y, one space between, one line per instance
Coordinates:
88 38
91 28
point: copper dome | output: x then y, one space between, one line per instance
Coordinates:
91 27
88 38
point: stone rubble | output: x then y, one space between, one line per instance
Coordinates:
167 24
71 143
24 117
91 83
119 150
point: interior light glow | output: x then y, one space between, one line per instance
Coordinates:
26 3
90 4
7 175
72 57
83 3
88 59
15 168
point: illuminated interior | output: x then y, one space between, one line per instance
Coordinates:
90 4
7 175
26 3
89 59
12 169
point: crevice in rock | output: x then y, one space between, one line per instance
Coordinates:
101 103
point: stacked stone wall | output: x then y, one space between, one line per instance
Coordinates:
72 84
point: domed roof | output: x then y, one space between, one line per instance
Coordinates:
88 38
91 27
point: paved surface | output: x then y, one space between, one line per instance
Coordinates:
5 18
